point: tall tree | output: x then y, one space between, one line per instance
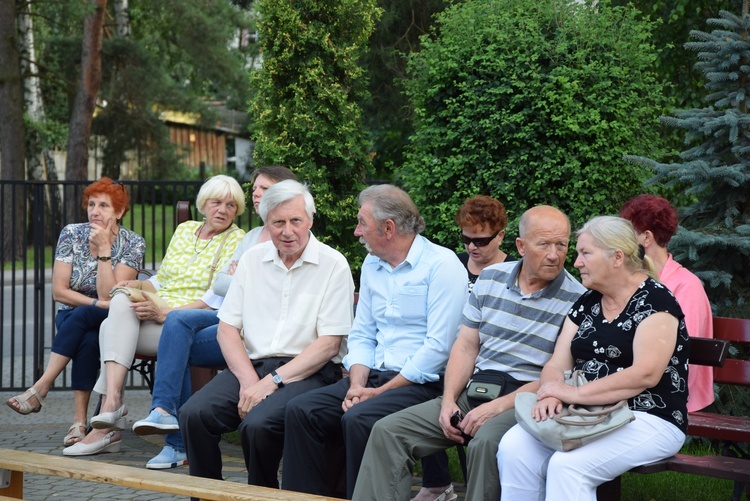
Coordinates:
388 113
79 132
40 164
308 105
714 171
11 128
530 102
676 18
41 134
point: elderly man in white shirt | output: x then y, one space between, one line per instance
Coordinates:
281 329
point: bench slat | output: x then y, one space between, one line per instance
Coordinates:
722 467
138 478
719 426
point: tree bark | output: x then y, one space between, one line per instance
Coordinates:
76 165
11 132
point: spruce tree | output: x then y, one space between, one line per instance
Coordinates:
714 172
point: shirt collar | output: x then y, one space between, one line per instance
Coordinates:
412 257
311 254
549 291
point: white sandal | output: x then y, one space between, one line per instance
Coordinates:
24 407
74 434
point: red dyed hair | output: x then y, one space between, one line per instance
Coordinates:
482 210
116 191
653 213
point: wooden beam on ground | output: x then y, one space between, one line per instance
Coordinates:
137 478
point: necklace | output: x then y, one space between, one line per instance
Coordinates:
196 252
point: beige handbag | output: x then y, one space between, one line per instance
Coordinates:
576 425
139 296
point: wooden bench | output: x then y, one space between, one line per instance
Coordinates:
20 462
731 430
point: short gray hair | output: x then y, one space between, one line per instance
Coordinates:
391 202
282 192
218 187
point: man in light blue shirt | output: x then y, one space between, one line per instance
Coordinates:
411 296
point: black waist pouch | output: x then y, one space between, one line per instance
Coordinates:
488 385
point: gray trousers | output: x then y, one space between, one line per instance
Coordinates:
399 440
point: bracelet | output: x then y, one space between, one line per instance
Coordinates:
94 303
104 258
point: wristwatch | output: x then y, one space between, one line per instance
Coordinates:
277 379
104 258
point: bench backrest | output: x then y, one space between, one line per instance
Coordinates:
737 332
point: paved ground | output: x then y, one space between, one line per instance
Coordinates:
43 432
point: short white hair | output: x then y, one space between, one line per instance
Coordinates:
218 187
282 192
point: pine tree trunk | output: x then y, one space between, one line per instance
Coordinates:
11 130
76 165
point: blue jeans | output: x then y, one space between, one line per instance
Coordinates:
77 338
188 338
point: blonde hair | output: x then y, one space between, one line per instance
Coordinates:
611 233
218 187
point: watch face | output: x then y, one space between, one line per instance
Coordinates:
276 378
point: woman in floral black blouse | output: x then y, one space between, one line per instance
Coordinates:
627 334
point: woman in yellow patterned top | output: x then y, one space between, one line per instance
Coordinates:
183 281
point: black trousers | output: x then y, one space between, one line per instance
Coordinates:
316 424
212 411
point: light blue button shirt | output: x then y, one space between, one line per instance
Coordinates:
408 316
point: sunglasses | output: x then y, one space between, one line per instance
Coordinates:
478 241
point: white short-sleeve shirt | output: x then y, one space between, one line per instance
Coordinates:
282 311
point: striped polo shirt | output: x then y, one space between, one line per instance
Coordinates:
517 332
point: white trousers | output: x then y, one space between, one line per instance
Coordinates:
531 471
121 335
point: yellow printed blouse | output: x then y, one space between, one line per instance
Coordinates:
184 273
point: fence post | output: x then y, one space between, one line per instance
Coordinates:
38 211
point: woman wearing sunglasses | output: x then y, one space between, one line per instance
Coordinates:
482 220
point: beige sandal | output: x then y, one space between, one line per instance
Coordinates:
74 434
24 407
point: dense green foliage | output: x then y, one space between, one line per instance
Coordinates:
714 170
676 62
530 102
307 108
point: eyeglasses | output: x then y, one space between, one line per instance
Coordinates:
478 241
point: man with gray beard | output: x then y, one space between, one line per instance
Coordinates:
411 295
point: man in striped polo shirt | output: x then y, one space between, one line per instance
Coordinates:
508 333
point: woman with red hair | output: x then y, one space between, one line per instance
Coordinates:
482 220
655 221
90 259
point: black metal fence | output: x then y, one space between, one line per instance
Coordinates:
34 212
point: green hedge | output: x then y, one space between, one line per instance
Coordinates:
531 102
